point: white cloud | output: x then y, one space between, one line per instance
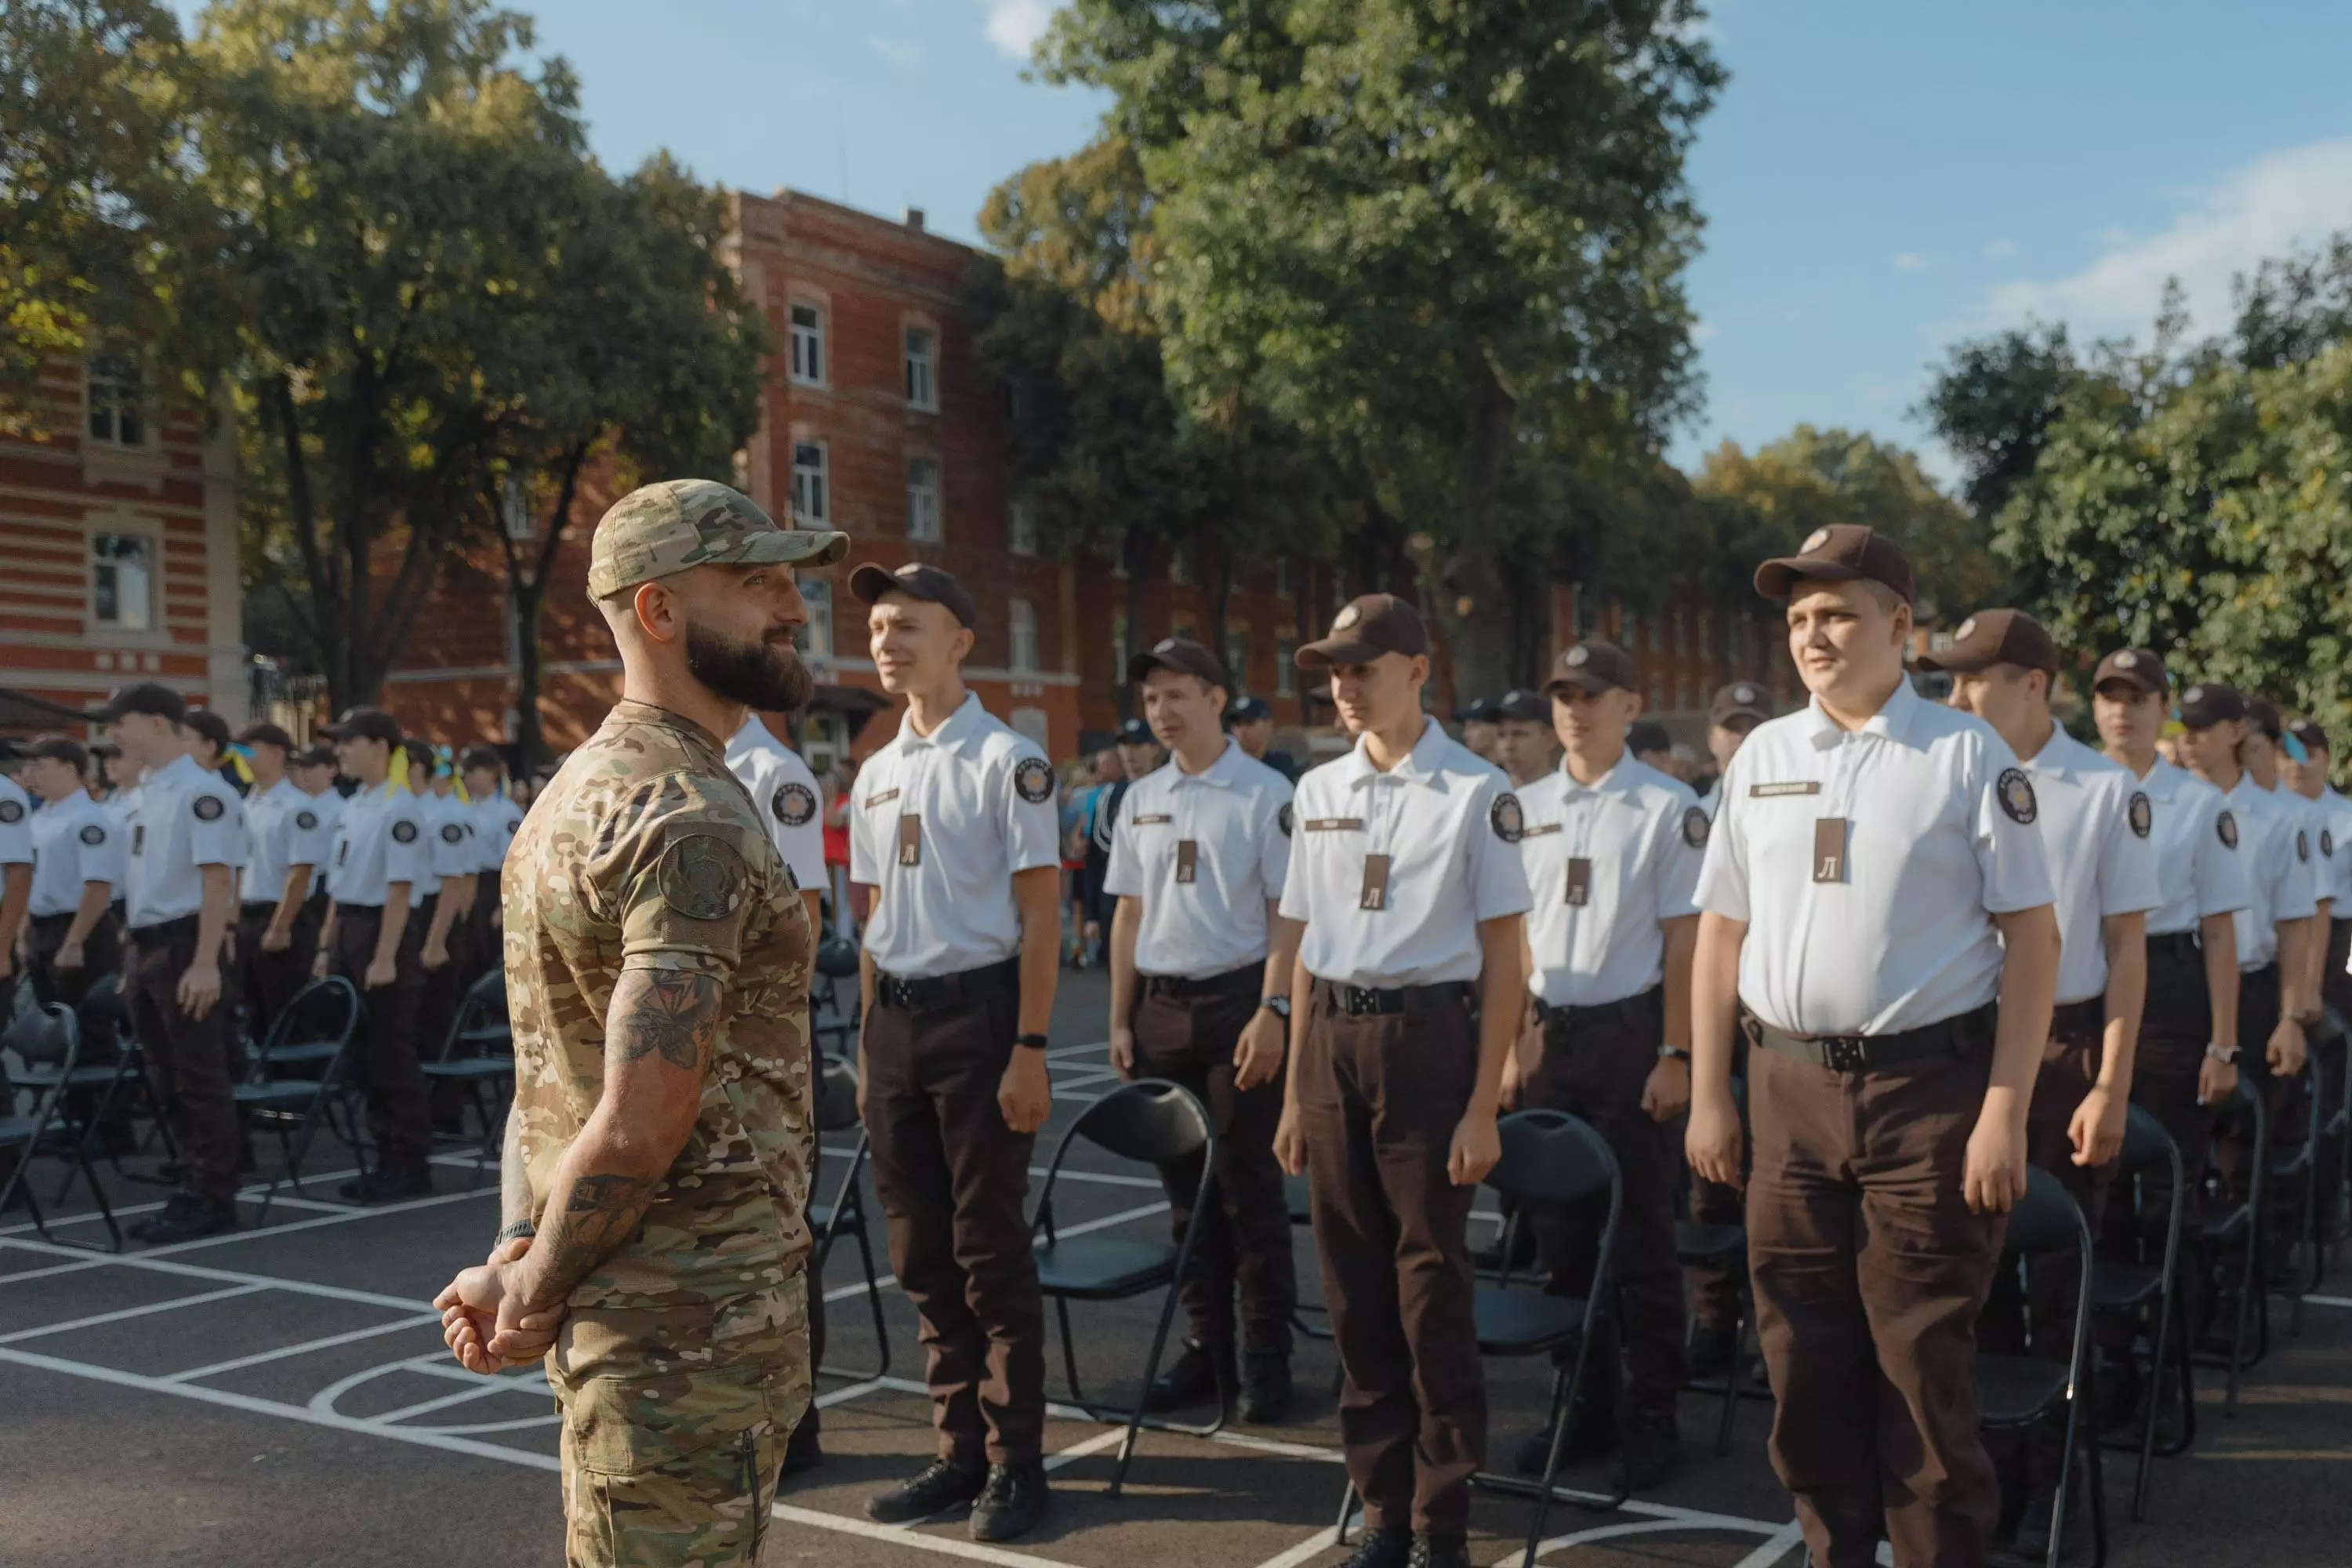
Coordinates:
2000 250
1910 262
2265 209
1015 25
897 52
1702 331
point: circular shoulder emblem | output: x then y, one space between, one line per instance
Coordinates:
404 832
1510 824
2139 814
2302 844
1033 780
11 811
1694 827
2226 824
795 803
2326 843
1282 819
306 820
208 808
451 832
1577 656
1814 541
93 835
702 876
2016 792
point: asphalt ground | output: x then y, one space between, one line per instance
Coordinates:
279 1395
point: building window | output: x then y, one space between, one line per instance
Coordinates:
1682 694
1023 535
1025 636
118 414
923 500
1237 659
812 498
922 368
815 639
1179 564
1284 582
1657 693
1682 635
1285 667
1707 634
1119 645
808 344
122 581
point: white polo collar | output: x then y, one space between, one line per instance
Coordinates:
1893 721
1223 774
1425 763
952 731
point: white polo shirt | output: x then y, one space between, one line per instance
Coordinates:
16 824
74 841
186 818
328 805
1447 821
2317 847
286 829
2200 868
1209 920
2335 813
1605 864
784 791
939 824
450 827
2269 825
380 839
497 820
2097 827
1940 836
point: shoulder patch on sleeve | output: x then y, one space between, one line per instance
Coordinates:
404 832
451 832
703 876
2139 814
1033 780
2226 824
92 835
1695 827
208 808
2326 843
11 811
1284 819
1505 816
306 820
2016 792
2302 844
795 803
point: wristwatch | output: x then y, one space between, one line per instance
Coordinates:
1278 1005
1674 1054
2225 1055
1030 1042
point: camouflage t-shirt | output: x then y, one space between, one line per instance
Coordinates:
644 853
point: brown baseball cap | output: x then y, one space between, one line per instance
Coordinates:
59 748
1519 702
2209 703
1995 637
147 697
1842 552
1366 628
267 734
1182 655
2138 668
1594 668
364 723
917 580
2310 734
2263 715
1741 700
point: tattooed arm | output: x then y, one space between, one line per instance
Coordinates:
514 1187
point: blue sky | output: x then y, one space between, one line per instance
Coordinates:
1878 179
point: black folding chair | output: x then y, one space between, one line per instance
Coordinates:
2337 1135
479 1054
1153 1122
2128 1289
837 1112
836 963
93 1087
296 1069
2240 1229
2300 1166
2015 1393
49 1038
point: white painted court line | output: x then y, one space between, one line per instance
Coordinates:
489 1388
283 1353
151 1264
2329 1300
1314 1546
1093 1444
843 1292
1768 1555
899 1535
122 1314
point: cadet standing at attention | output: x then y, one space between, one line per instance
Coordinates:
371 936
1200 995
16 869
954 829
180 898
1878 896
79 859
447 909
654 1186
277 930
1611 849
2308 778
1405 1001
1524 743
2264 758
496 821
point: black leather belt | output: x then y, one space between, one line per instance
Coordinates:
258 907
922 995
1957 1036
163 931
2088 1016
1375 1001
2175 946
1178 987
63 920
1628 1012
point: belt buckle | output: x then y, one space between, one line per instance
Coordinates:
1360 1001
1844 1053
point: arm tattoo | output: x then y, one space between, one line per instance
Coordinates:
600 1212
520 1227
667 1011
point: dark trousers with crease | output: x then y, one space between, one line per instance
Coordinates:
1379 1100
2175 1029
2329 1061
1595 1065
397 1119
954 1183
2258 1010
271 979
101 955
1185 1032
187 1060
1715 1289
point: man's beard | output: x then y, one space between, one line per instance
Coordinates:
768 675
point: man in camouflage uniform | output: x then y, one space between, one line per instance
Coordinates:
658 956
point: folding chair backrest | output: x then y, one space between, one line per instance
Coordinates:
836 956
481 1014
324 1011
836 1097
2147 1145
1150 1120
1549 1156
2046 1219
104 1000
41 1037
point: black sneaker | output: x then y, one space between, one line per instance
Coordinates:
1266 1387
1382 1549
1010 1504
1652 1450
187 1217
1439 1551
804 1451
389 1184
1711 1352
1191 1379
942 1484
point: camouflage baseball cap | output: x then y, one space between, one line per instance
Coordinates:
657 530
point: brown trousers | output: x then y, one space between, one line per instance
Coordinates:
1869 1272
101 955
2175 1028
1596 1063
954 1181
271 979
1185 1033
187 1059
1379 1099
397 1119
1715 1289
2258 1006
439 991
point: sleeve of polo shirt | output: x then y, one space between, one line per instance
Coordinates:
1032 826
311 845
407 843
1499 876
16 831
217 839
802 843
2010 854
1277 821
1722 886
1123 878
865 862
2298 888
2128 878
2218 867
1297 903
677 879
453 847
1679 859
104 861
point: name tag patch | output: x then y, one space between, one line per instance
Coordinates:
910 839
1375 894
1538 829
1151 819
1335 824
1188 861
1580 882
1791 786
1829 849
884 798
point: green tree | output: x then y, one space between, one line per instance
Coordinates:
1991 401
1410 230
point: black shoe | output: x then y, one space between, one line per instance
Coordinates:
1010 1504
1652 1451
1266 1387
805 1450
1711 1352
389 1184
942 1484
1382 1549
1439 1551
185 1218
1191 1379
1592 1433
